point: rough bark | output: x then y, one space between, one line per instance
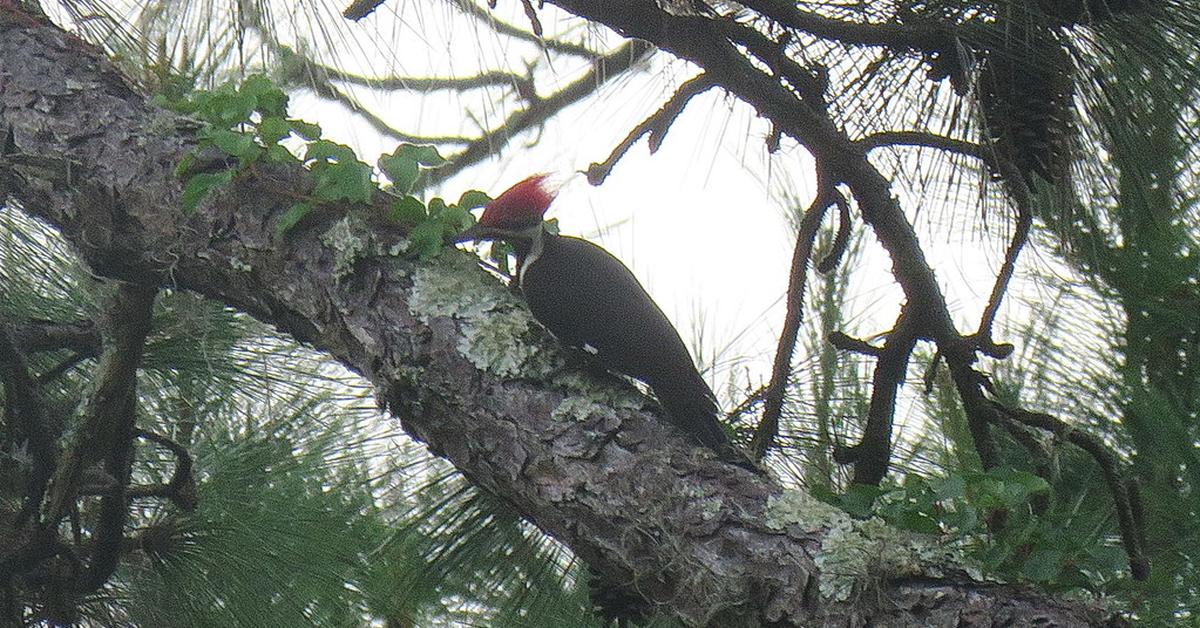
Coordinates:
466 371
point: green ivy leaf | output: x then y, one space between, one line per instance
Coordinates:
456 218
273 129
198 186
859 499
306 130
240 145
344 180
268 98
325 150
403 171
408 212
226 109
426 239
421 153
918 521
280 155
292 217
472 199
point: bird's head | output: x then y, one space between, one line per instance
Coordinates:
517 213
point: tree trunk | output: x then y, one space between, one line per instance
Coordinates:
466 370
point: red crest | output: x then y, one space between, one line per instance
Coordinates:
521 205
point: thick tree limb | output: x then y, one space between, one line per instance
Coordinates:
459 362
112 409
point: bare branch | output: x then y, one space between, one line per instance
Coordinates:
841 240
35 336
112 411
503 28
603 70
181 489
656 125
768 427
895 36
884 139
870 456
305 67
107 425
24 414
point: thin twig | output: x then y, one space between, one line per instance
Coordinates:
841 241
657 125
603 70
504 28
884 139
840 340
1020 237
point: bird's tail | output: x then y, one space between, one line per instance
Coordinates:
692 407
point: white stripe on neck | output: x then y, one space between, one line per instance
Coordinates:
536 245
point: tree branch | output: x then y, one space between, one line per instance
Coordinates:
656 125
25 420
541 109
768 427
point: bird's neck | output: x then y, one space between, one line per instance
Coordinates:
529 247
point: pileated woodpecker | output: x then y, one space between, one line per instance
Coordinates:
589 299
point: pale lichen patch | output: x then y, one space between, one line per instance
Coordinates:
855 552
580 408
498 346
601 393
792 507
497 331
710 507
348 239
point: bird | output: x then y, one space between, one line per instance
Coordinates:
588 299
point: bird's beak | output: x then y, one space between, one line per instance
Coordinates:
474 232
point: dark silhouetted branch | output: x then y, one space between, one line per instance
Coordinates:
537 112
25 419
781 369
871 454
656 125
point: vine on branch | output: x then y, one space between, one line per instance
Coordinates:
245 127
